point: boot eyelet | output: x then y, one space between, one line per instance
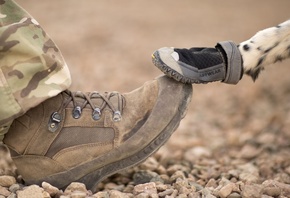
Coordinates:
77 112
117 116
96 113
54 121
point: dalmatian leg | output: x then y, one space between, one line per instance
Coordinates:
265 47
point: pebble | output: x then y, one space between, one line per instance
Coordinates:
150 164
143 195
50 189
145 176
12 195
272 191
285 188
117 194
226 190
6 180
234 195
149 188
166 192
75 186
4 191
249 151
14 187
78 194
102 194
32 191
211 183
251 191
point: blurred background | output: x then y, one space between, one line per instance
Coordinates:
108 45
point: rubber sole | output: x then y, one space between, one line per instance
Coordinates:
172 73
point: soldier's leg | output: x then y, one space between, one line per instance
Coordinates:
32 68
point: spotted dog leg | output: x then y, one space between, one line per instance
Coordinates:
265 47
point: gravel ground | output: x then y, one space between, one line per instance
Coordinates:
234 141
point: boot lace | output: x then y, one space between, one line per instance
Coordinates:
87 99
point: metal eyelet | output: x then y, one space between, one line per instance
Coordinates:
77 112
117 116
96 113
54 121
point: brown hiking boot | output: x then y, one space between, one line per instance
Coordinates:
87 137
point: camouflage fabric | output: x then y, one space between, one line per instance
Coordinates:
32 68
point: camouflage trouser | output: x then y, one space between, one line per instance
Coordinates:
32 68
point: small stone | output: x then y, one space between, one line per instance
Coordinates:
165 178
103 194
284 187
226 190
14 187
78 194
287 170
206 193
184 190
249 151
181 183
145 176
197 186
253 191
166 192
161 170
211 183
150 164
196 153
117 194
177 167
12 195
6 180
175 193
110 186
4 191
182 196
45 194
128 189
75 186
32 191
50 189
143 195
272 191
248 178
161 187
178 174
64 196
234 195
149 188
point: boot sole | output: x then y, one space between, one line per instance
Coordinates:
157 61
97 175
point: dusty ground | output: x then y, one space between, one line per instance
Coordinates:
108 46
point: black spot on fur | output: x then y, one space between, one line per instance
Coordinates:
259 48
254 73
272 47
278 58
278 26
252 42
261 60
246 47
